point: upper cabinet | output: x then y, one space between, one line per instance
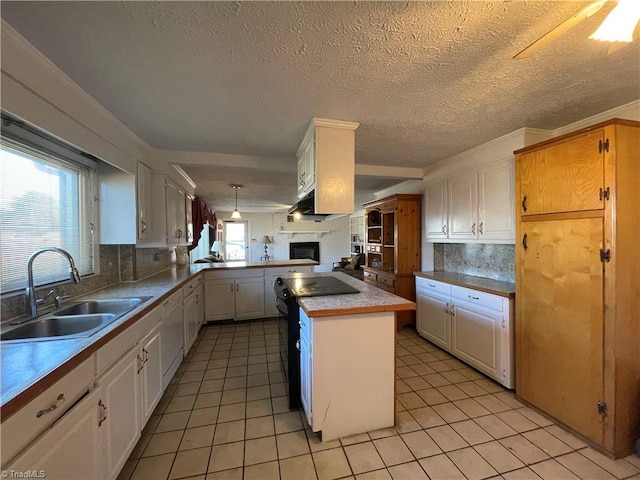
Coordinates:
169 217
474 206
125 201
143 197
326 164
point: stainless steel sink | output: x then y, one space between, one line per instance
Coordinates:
60 326
115 306
81 319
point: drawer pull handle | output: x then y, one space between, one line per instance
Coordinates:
431 285
103 413
59 401
444 229
524 203
446 309
473 298
473 229
524 241
481 228
140 363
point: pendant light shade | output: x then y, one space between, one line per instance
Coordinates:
236 213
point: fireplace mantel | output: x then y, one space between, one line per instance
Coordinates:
291 233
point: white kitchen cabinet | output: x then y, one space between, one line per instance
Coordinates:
171 343
306 167
150 372
326 164
432 312
347 386
189 217
237 295
475 326
143 199
169 215
462 198
496 215
71 448
474 206
120 424
193 302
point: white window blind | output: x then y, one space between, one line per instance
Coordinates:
45 201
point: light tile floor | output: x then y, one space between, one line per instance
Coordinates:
225 416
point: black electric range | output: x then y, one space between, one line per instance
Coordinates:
287 291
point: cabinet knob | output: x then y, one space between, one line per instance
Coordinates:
103 413
524 203
524 241
444 228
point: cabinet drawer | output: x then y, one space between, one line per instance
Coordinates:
432 286
25 425
285 271
387 288
234 273
170 303
191 287
483 299
388 282
370 277
373 248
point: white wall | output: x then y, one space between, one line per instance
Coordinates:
334 244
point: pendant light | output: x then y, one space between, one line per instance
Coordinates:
236 213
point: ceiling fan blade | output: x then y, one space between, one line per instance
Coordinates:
554 33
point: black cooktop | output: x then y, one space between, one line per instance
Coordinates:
316 286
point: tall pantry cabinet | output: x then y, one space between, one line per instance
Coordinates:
577 282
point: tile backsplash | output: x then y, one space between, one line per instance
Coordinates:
118 263
479 259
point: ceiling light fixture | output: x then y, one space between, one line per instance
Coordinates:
236 213
620 23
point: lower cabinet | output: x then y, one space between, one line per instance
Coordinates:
150 372
347 386
234 295
95 437
193 315
119 413
71 448
171 346
475 326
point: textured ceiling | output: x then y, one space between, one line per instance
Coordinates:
425 80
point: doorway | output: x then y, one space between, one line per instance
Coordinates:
236 241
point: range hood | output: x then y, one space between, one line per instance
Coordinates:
305 209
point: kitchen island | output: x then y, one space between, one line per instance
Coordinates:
347 358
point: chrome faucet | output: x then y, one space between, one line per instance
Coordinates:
30 291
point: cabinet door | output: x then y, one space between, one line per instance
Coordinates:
171 335
463 206
475 337
220 299
120 400
191 321
306 367
176 222
559 327
150 372
495 202
436 210
249 298
562 178
188 215
70 449
433 321
143 198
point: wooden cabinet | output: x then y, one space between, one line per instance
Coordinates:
347 386
578 287
326 164
477 327
235 295
393 247
474 206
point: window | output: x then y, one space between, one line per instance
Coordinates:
236 241
46 200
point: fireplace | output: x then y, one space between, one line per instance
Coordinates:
304 250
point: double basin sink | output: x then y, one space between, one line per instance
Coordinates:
81 319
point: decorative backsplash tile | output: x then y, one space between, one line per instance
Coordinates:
479 259
117 263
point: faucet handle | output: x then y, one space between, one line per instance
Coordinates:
40 300
58 300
